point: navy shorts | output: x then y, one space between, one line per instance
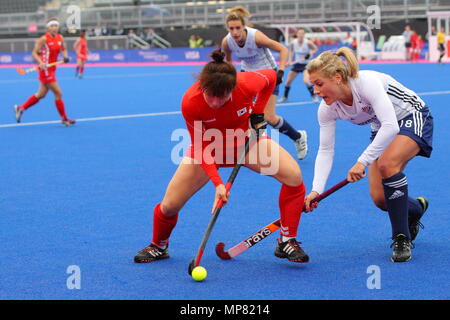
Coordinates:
298 67
276 91
419 127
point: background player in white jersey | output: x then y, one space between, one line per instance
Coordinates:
253 47
402 128
301 51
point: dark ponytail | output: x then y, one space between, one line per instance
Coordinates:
218 77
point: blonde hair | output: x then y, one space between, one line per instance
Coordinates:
329 63
238 13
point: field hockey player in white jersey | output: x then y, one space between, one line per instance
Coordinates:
253 47
301 51
402 128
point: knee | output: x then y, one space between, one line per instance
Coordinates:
388 167
58 96
271 118
40 95
169 208
294 179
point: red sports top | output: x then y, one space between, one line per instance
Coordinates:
82 47
51 49
233 115
413 39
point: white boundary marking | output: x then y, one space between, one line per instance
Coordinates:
101 76
156 114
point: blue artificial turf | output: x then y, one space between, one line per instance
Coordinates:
84 196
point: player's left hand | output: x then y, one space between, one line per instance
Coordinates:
280 75
221 194
357 172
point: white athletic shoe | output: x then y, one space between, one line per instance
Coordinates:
315 99
301 144
282 99
18 112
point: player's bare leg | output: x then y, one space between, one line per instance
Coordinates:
299 137
187 180
269 158
309 86
291 77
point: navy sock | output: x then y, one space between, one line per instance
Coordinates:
396 196
286 91
311 90
284 127
415 209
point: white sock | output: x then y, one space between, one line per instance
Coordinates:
284 239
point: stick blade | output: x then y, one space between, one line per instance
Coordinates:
220 251
20 70
191 266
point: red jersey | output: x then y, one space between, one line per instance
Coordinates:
48 54
51 49
234 115
82 48
414 40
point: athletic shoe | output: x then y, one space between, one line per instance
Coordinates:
291 250
401 248
68 122
18 112
415 224
282 99
301 144
151 253
314 98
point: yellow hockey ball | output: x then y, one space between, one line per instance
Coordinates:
199 273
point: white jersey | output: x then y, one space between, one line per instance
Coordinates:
300 51
378 99
252 57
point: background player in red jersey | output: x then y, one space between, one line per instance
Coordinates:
81 48
45 52
222 100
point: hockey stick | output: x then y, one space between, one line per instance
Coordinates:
196 261
25 71
266 231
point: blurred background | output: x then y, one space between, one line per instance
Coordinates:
114 27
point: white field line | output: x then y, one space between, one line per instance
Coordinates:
157 114
101 76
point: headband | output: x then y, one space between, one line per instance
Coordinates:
52 23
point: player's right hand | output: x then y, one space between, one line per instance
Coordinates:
310 197
221 193
42 66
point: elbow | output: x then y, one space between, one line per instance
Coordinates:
391 128
395 129
326 151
